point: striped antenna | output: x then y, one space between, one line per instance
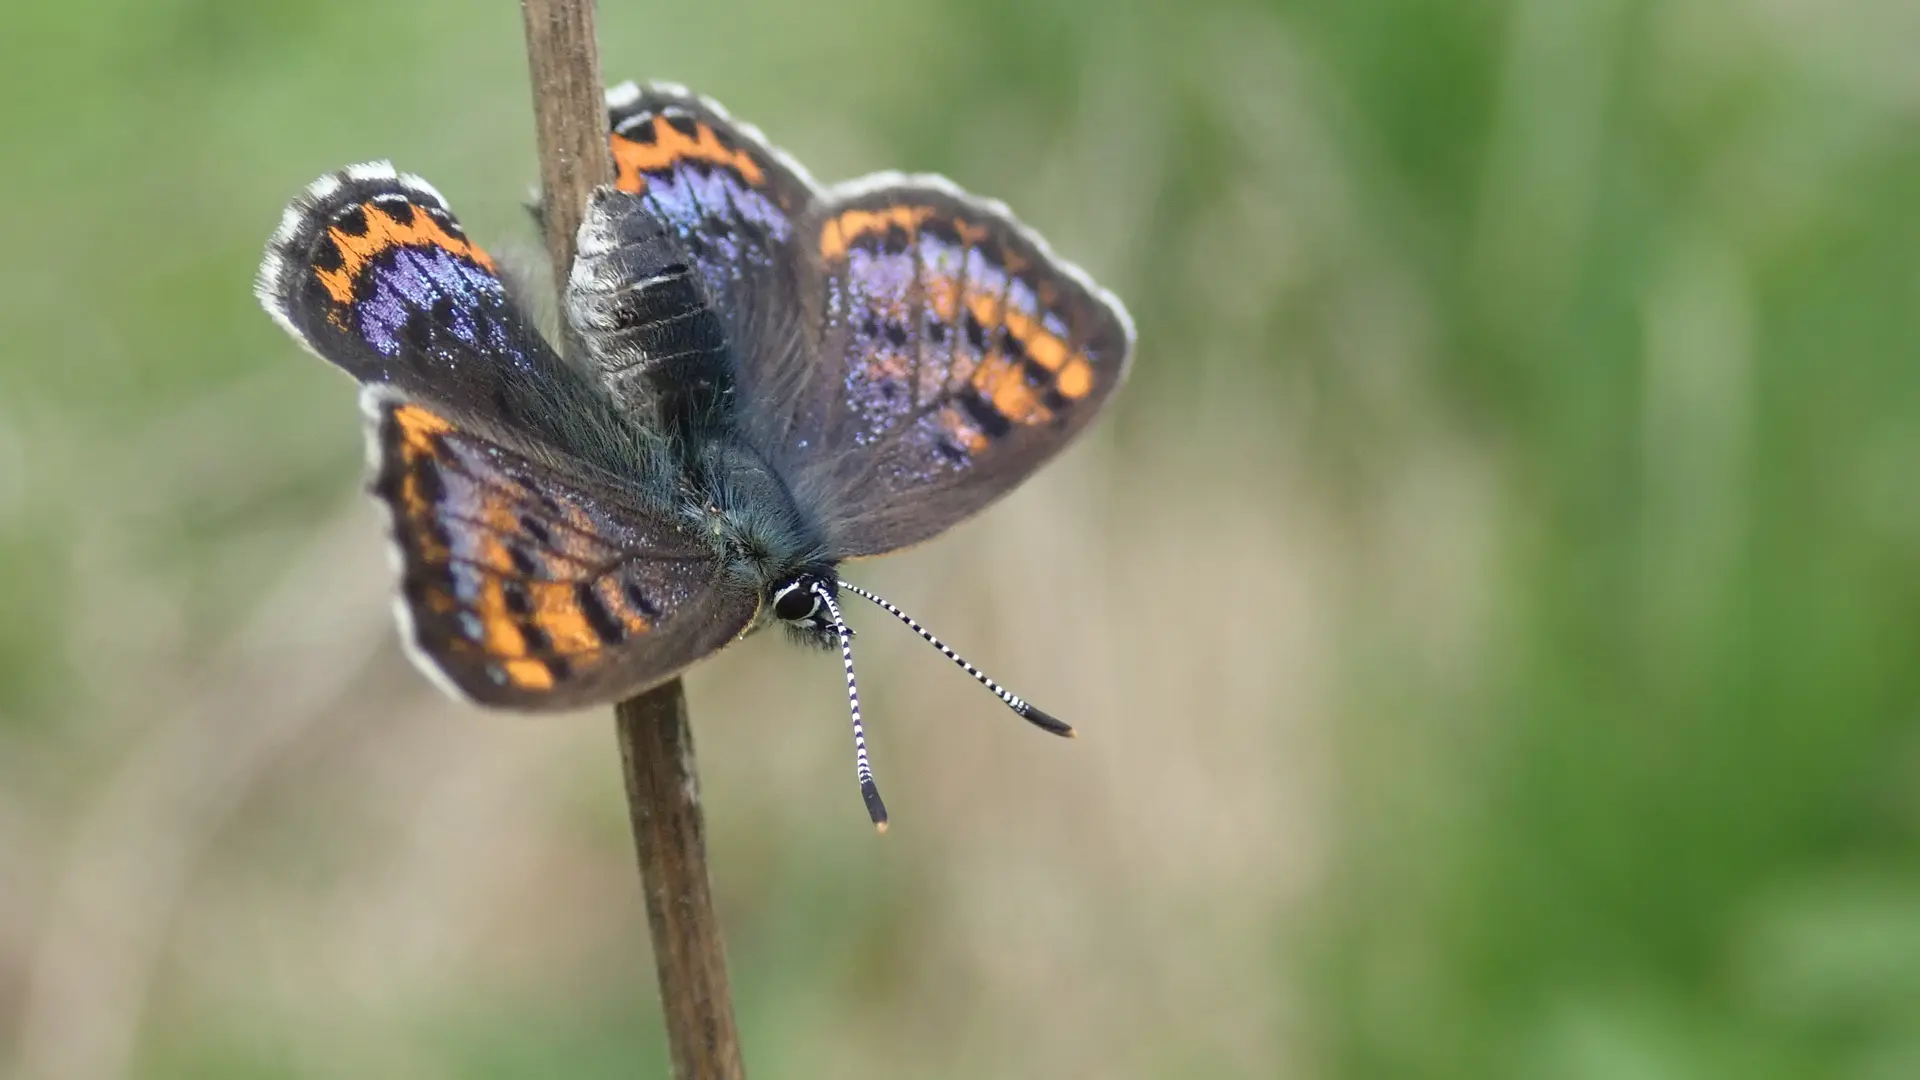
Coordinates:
862 768
1013 701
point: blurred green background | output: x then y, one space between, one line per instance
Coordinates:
1492 614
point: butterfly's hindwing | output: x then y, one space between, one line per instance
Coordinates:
527 588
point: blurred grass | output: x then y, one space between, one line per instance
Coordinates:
1493 611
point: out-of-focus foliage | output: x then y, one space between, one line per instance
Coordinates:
1492 615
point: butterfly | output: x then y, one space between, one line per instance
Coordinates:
771 377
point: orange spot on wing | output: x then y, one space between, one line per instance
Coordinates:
1073 374
430 550
943 296
417 424
995 369
1075 380
418 429
1001 383
500 635
1016 401
491 553
634 159
962 430
967 366
1041 344
384 233
840 232
557 613
497 519
529 674
986 309
497 512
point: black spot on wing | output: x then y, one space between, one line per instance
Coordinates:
352 221
326 255
642 132
524 563
640 602
976 333
536 638
516 598
941 229
598 617
418 333
418 590
984 415
446 221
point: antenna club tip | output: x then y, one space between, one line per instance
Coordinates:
880 827
876 809
1046 722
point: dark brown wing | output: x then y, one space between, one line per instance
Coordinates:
955 354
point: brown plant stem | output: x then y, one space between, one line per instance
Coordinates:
656 743
669 836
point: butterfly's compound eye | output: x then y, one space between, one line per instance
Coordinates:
795 604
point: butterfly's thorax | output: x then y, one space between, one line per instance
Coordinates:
742 502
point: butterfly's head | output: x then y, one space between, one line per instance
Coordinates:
804 604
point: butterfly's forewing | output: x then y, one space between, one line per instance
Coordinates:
527 588
370 270
953 355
